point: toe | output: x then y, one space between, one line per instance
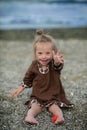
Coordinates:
59 121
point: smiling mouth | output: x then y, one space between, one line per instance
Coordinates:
44 61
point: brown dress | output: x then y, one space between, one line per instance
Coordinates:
46 88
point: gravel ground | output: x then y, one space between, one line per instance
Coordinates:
15 57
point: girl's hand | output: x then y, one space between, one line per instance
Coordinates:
17 91
58 58
13 92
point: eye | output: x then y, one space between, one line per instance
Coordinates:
39 53
48 53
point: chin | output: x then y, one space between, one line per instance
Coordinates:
43 63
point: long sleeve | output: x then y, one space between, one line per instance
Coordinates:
58 67
29 76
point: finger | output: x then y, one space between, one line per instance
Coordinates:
12 94
62 61
53 52
59 53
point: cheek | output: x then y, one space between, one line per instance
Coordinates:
37 56
51 55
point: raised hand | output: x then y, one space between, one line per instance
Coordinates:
58 58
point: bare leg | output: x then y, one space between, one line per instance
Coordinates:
32 112
55 110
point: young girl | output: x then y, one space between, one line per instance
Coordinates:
43 76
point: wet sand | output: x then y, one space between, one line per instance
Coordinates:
15 57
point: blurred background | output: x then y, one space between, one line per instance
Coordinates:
27 14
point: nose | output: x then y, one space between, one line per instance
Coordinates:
43 56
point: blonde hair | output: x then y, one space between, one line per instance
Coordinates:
43 38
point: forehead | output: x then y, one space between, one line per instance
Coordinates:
44 45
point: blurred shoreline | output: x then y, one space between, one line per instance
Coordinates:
29 34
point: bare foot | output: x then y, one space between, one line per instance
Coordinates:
59 120
31 120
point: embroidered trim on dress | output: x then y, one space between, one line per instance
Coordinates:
24 85
43 71
47 105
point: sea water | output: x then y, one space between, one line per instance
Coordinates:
25 14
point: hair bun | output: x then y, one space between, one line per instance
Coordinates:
39 32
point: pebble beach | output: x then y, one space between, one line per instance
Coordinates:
16 54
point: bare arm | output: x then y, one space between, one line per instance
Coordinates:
17 91
26 83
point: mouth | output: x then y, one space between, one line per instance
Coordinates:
44 61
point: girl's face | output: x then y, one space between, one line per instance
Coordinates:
43 53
